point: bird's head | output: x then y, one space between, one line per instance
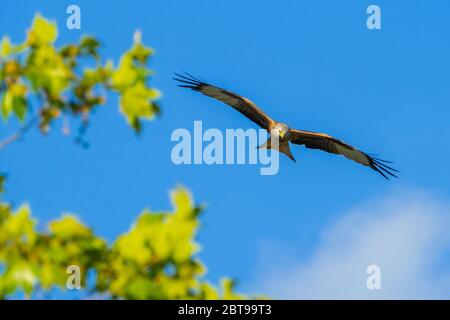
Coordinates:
282 130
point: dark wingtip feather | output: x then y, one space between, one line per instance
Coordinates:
189 81
194 78
381 167
187 78
380 172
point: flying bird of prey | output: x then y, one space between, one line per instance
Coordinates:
281 131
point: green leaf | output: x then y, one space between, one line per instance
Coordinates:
14 99
42 32
19 227
89 46
7 104
20 275
182 201
46 70
126 74
143 288
19 92
69 226
136 103
20 107
5 47
141 53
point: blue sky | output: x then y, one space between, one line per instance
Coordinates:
312 64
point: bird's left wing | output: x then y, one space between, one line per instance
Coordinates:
325 142
241 104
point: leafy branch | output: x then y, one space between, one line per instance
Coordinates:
155 259
71 80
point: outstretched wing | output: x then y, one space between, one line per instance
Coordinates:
325 142
241 104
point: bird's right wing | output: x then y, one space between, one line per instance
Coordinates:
325 142
241 104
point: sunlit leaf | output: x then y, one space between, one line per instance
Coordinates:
19 101
69 226
5 47
141 53
136 102
46 70
42 32
7 104
19 227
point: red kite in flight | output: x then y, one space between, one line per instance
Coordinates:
284 134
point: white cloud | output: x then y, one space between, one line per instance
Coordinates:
407 235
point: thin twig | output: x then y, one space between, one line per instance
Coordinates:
17 135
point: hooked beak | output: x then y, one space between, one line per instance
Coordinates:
281 133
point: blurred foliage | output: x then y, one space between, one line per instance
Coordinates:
155 259
72 79
2 182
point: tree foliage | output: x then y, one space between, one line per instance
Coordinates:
157 258
72 80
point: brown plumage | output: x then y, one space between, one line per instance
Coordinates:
311 140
